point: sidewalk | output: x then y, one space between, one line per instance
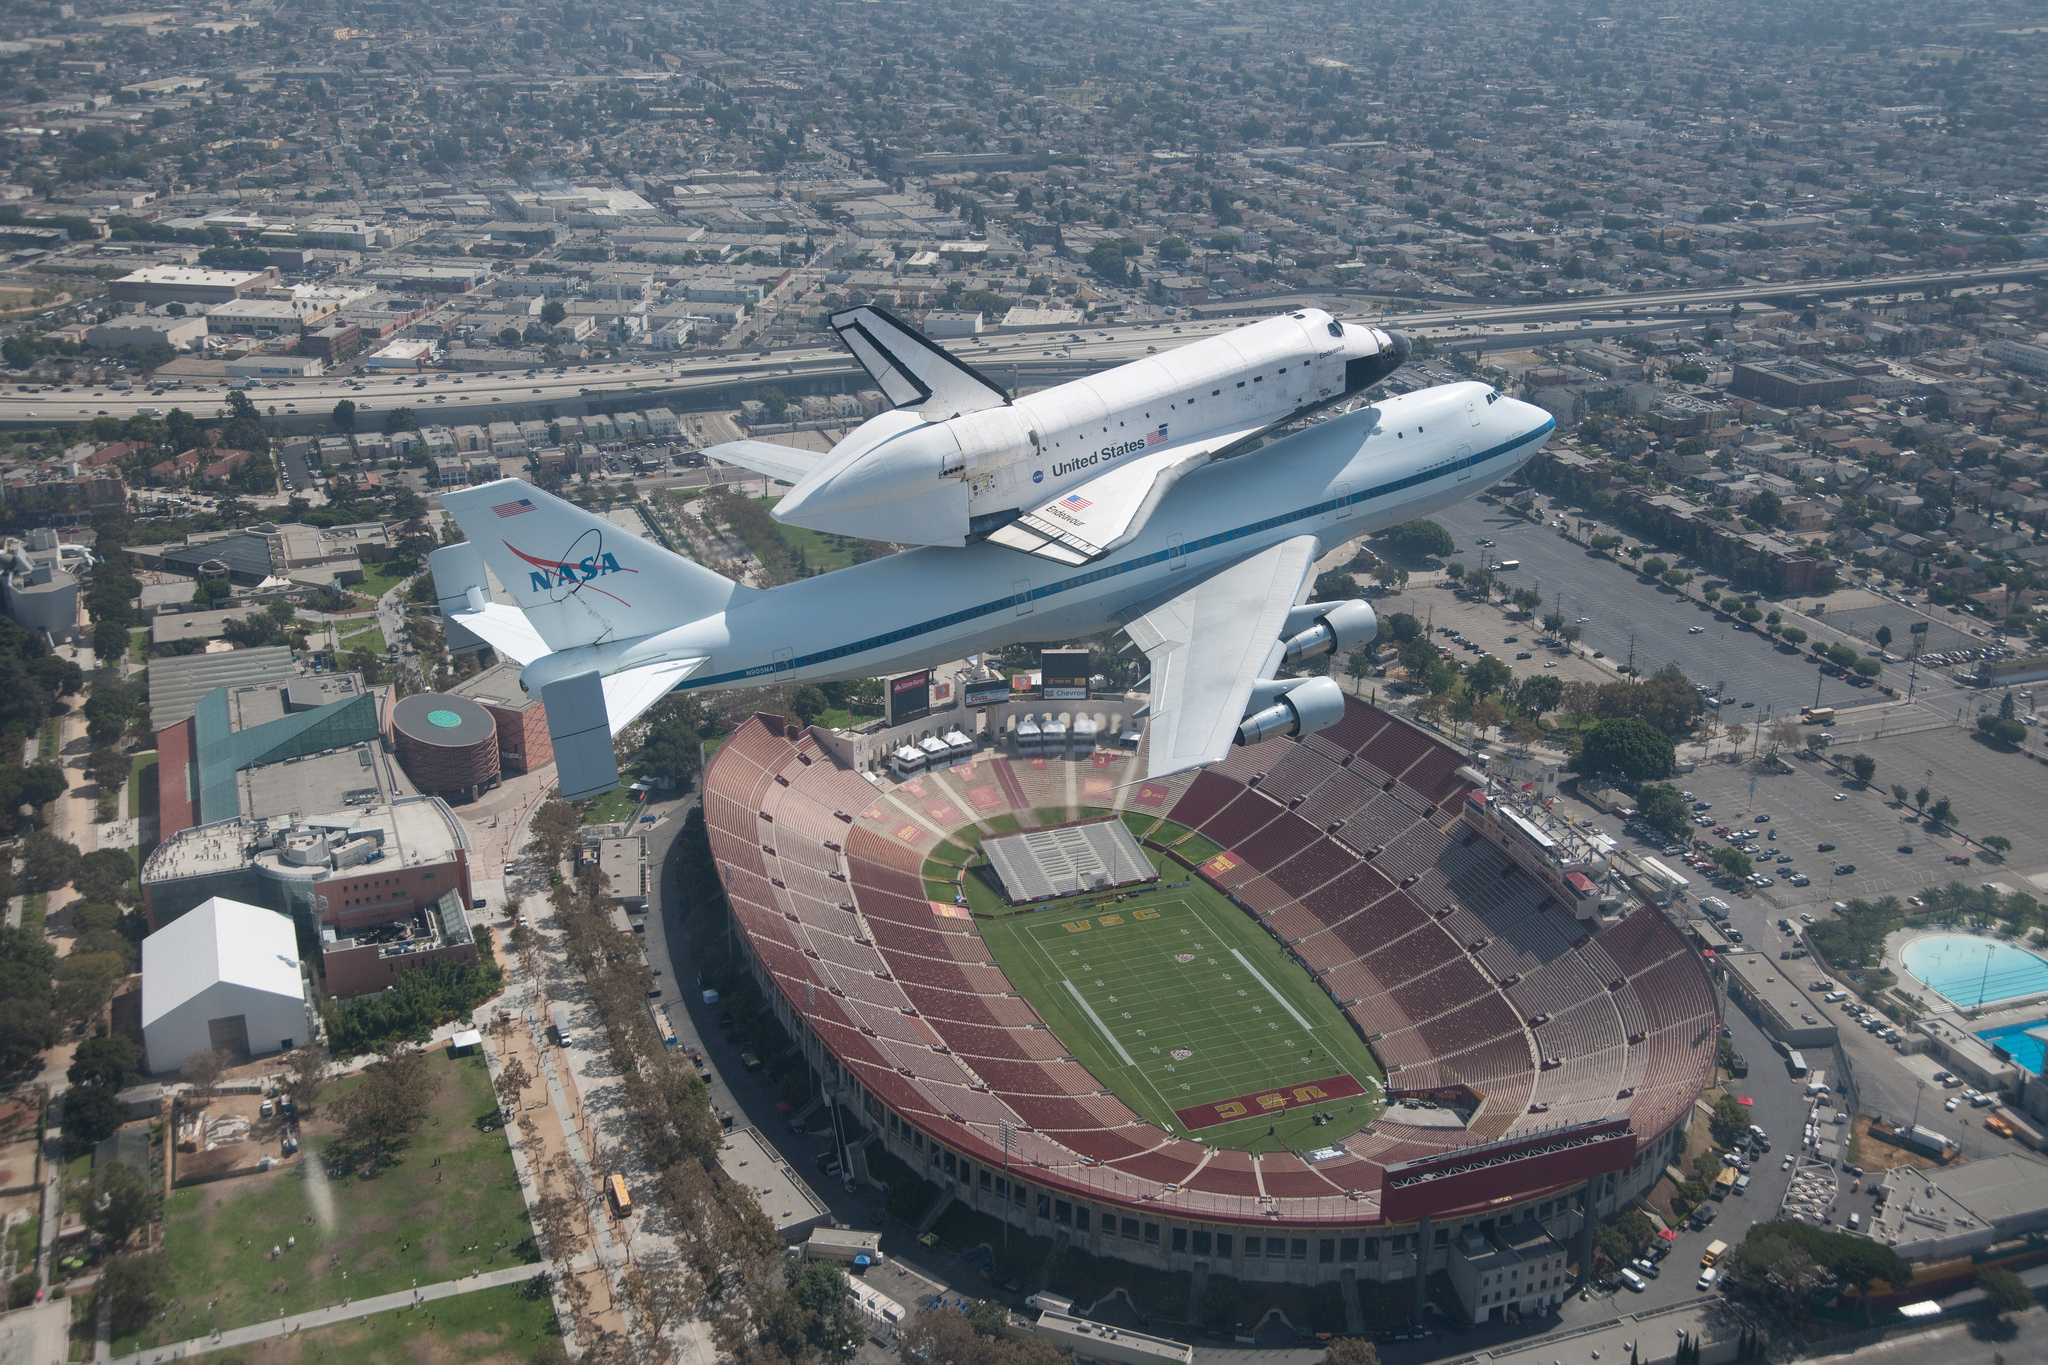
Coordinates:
401 1301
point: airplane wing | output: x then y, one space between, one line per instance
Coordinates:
585 710
765 457
1093 518
910 370
1210 645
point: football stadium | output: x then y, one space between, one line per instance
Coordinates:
1335 1006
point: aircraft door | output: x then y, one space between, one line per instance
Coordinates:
1343 495
1023 590
783 658
1175 560
1472 414
1464 463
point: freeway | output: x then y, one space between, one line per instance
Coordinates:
1036 357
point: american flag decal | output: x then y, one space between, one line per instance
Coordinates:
513 509
1153 438
1074 502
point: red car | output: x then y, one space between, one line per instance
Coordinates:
1959 859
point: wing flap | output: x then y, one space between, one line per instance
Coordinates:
765 457
1209 646
1109 510
910 370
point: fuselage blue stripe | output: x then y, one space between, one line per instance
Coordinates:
1010 603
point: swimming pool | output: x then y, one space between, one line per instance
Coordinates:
1976 971
2022 1049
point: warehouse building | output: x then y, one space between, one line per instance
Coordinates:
224 978
159 284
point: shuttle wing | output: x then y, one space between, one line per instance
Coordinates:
765 457
911 371
1209 645
1095 517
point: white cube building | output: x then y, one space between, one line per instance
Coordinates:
224 976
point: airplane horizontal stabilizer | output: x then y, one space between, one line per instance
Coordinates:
1109 510
912 372
503 628
765 457
1209 646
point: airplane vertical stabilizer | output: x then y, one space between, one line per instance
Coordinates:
581 580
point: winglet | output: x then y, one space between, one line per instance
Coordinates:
910 370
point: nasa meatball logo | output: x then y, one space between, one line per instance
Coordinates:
1038 476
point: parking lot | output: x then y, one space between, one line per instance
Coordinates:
1625 617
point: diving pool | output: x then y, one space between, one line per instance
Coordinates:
1974 971
2022 1049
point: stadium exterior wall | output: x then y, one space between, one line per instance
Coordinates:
1138 1233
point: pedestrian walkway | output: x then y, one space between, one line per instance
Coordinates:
405 1300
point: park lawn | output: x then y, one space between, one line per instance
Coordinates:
379 579
822 552
412 1220
142 770
138 648
371 639
1174 998
618 807
502 1326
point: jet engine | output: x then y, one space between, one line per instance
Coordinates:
1328 628
1295 706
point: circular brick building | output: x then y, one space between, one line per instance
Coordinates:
447 745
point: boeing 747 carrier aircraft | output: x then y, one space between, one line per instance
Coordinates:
606 623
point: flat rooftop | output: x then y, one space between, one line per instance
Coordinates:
784 1198
413 831
497 685
338 780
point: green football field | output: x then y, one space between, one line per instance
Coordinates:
1193 1015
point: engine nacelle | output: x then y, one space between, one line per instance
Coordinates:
1292 707
1328 628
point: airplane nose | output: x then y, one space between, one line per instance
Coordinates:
1403 348
1365 371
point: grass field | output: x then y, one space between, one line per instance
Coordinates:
450 1203
1175 999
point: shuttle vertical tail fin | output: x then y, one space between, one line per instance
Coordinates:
582 580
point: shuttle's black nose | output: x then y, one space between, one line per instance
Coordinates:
1366 371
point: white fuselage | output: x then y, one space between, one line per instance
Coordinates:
907 478
1351 475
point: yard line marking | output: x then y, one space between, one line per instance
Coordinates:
1089 1010
1246 962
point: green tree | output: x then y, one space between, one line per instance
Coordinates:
91 1114
1630 749
2007 732
47 862
1420 539
1883 637
1920 798
110 1060
1488 676
1733 861
1864 766
1402 627
1729 1123
2004 1291
133 1285
402 418
1941 814
1358 667
1539 692
552 312
807 703
774 399
117 1202
345 415
1661 805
